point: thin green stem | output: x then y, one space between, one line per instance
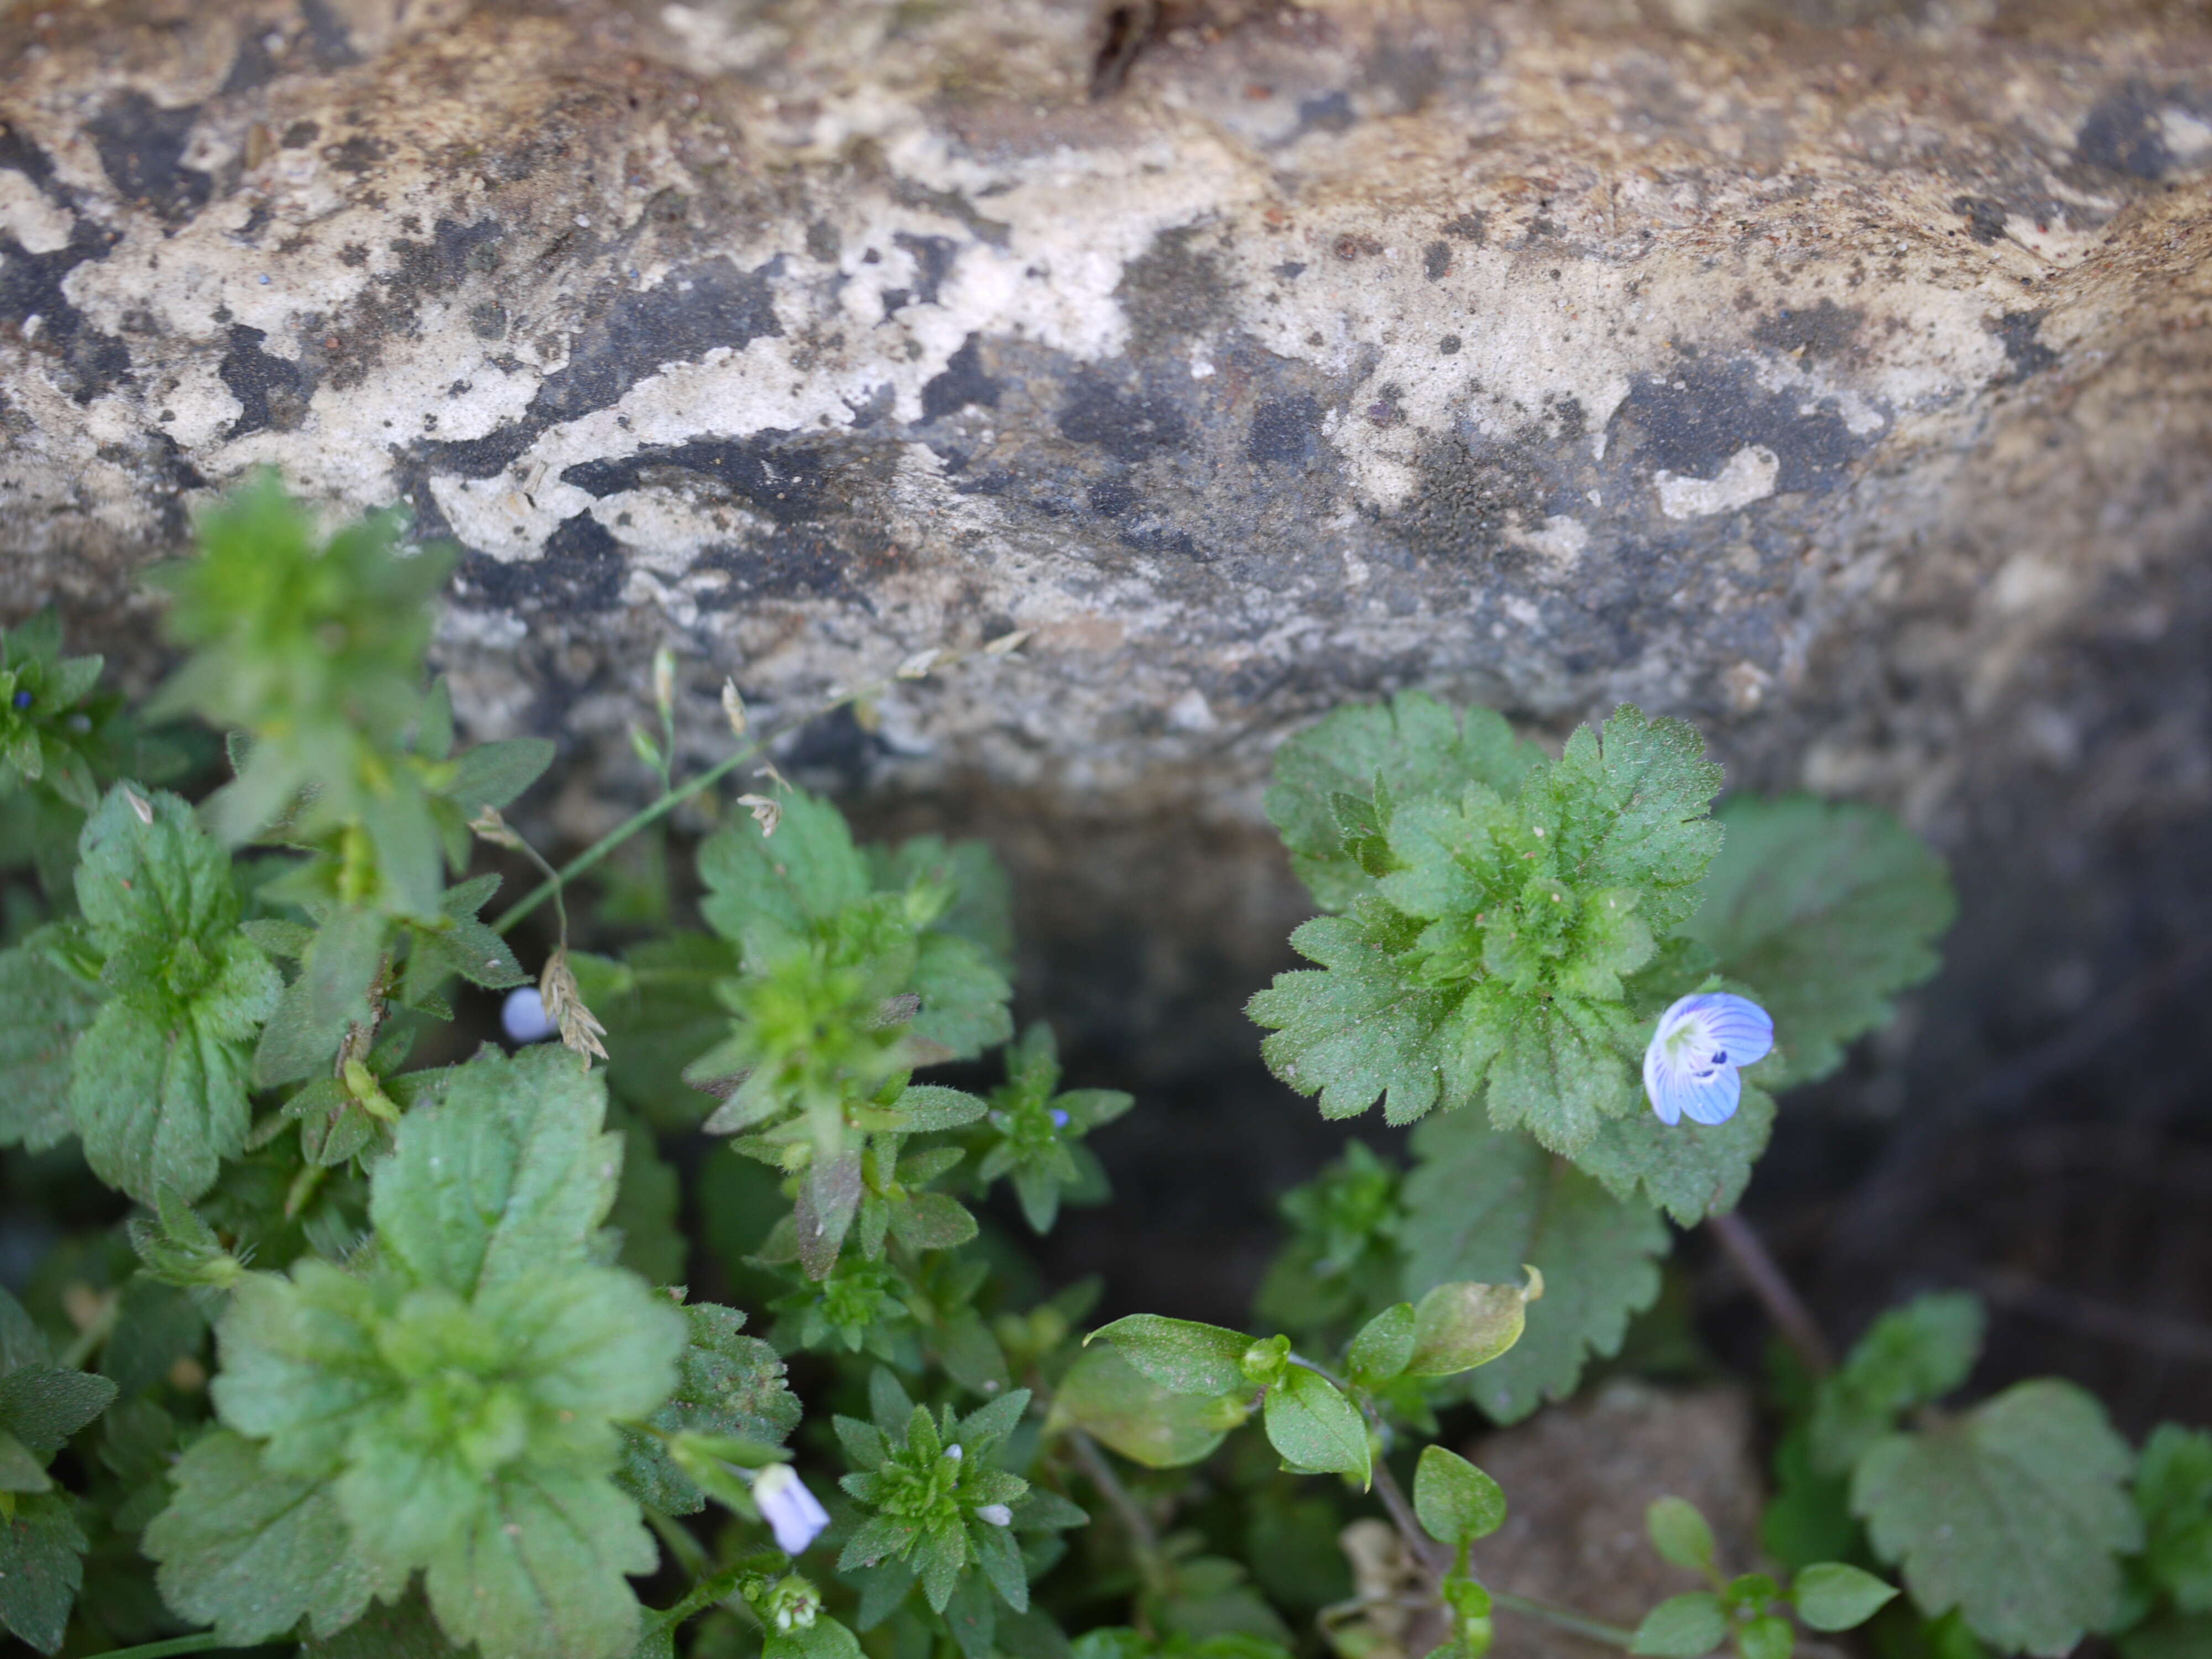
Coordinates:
553 884
1597 1630
701 1596
205 1642
690 1553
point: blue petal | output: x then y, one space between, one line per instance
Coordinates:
1658 1087
1712 1101
1740 1028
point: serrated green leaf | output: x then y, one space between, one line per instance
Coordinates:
1455 1502
1632 800
1836 1595
1419 749
43 1007
727 1383
1480 1203
1181 1355
807 872
2014 1513
1910 1356
1690 1171
511 1170
541 1572
1314 1426
155 1107
1108 1399
1679 1532
964 995
2173 1494
252 1553
41 1569
1363 1027
1683 1627
1829 910
924 1107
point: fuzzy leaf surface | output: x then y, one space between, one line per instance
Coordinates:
2015 1513
253 1552
726 1383
1419 749
43 1007
1480 1203
41 1569
1690 1171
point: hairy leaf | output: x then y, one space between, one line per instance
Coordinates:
726 1383
512 1167
1690 1171
252 1552
1910 1356
1181 1355
1314 1427
43 1009
41 1567
1418 748
1480 1205
1828 910
2015 1513
1108 1399
1456 1502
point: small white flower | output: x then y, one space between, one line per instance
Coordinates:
954 1452
997 1514
1690 1069
788 1507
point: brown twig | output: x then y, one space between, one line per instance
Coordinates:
1744 1247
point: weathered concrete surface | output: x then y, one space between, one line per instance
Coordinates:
1834 373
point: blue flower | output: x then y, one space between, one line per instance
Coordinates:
1690 1069
789 1509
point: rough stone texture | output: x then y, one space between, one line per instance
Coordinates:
1577 1482
1834 372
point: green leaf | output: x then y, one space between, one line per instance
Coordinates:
2014 1513
1416 747
41 1568
42 1406
964 995
1770 1637
494 774
2173 1494
924 1107
1108 1399
2168 1638
512 1168
541 1572
1363 1027
1384 1345
726 1383
1632 800
1829 910
1683 1627
825 1638
331 992
1314 1427
1680 1534
1480 1205
19 1470
252 1553
807 872
1181 1355
1835 1596
1455 1502
158 1084
406 1630
1459 1326
1910 1356
1690 1171
43 1009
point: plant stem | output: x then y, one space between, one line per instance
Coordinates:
1772 1286
687 1550
205 1642
701 1596
1611 1635
1435 1559
1143 1537
621 832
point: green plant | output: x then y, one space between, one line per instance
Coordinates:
396 1357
